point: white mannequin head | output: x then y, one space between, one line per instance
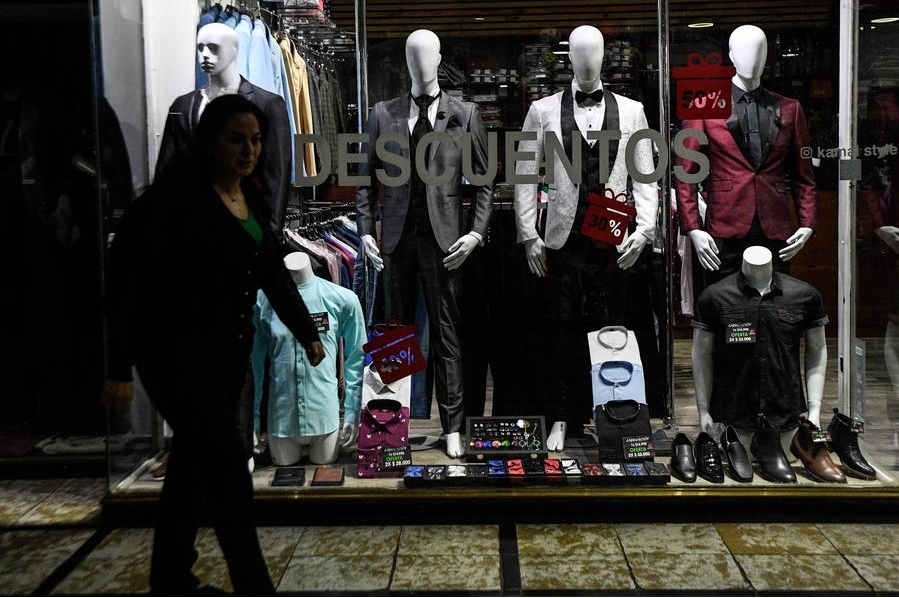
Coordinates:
422 59
757 255
299 265
758 267
217 46
586 49
748 50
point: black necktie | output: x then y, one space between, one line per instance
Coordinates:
752 120
422 125
580 96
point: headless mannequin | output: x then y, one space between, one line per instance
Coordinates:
422 60
748 50
586 51
324 448
217 46
758 270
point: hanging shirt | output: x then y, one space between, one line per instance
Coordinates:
260 58
244 32
303 400
618 381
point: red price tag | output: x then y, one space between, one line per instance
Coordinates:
608 217
394 351
703 87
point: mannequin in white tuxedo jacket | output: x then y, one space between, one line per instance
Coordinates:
421 226
748 51
586 51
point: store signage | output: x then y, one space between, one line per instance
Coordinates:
394 351
608 217
703 87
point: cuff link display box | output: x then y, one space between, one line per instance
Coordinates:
521 437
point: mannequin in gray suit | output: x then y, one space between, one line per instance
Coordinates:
422 229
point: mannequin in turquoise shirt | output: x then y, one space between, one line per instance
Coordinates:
323 447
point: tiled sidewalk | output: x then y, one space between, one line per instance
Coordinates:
585 558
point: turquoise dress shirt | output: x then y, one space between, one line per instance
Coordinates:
303 400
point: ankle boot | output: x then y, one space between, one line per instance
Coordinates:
814 455
765 447
844 442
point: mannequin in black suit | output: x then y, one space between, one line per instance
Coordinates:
217 46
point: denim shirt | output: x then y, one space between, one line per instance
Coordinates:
303 400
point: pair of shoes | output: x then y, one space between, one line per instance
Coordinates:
844 442
809 445
737 457
766 447
702 458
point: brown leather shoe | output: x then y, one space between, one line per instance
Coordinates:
814 455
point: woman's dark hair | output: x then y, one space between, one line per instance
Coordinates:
216 113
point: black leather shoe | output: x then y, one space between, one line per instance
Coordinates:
737 457
683 465
708 459
766 447
844 442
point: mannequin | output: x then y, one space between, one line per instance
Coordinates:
312 403
758 272
217 48
748 168
563 253
421 230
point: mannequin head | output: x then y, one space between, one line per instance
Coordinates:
586 49
748 50
422 59
217 46
758 267
299 265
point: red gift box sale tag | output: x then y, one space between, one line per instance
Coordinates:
608 217
394 351
703 87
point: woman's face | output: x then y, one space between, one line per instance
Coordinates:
236 148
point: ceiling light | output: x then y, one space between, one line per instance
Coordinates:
480 18
885 20
701 25
560 52
564 42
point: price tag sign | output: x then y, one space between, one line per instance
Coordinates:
608 217
394 351
703 87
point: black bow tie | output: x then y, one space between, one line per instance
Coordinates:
580 96
424 101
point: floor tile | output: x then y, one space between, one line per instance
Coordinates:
363 573
39 545
774 538
801 573
427 540
107 577
600 572
567 539
213 570
274 541
76 501
17 497
25 581
689 571
857 538
449 573
348 541
881 571
125 543
670 538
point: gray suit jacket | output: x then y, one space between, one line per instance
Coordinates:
455 118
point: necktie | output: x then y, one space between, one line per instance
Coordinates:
580 96
755 137
422 125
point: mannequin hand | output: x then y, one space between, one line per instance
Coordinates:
890 236
705 248
795 243
347 436
535 250
631 250
117 394
372 252
705 421
315 352
459 251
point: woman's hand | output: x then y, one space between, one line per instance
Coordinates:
315 352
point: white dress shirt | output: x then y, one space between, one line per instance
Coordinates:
432 109
589 116
373 388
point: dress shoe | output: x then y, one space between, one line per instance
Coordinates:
737 457
766 448
844 442
683 465
708 459
814 455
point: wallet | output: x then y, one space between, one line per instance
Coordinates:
327 476
289 476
